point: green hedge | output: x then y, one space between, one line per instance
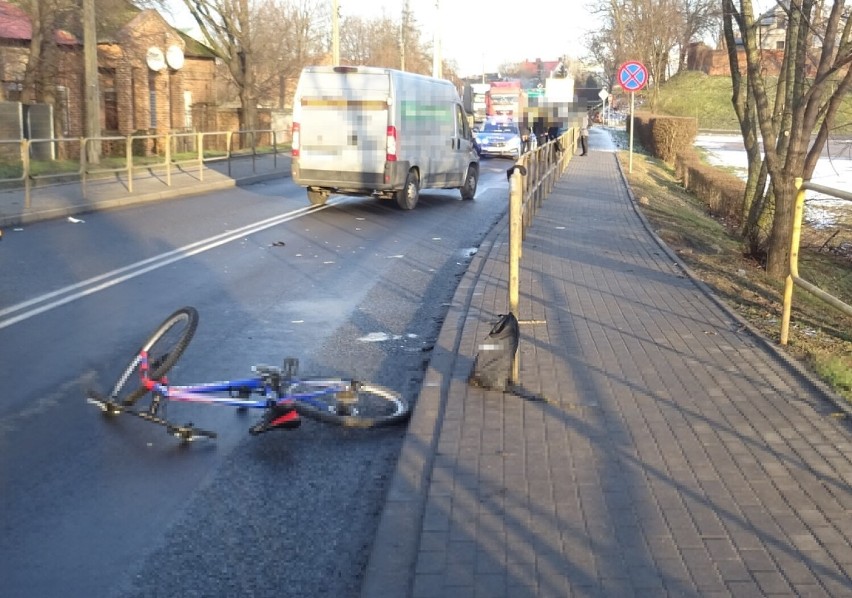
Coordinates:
671 139
722 192
665 137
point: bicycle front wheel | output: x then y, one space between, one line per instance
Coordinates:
349 403
164 347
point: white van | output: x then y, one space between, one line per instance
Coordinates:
374 131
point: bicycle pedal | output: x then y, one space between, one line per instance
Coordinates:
185 433
107 407
264 369
290 367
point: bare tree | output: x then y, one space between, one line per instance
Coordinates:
792 114
654 27
609 46
289 35
383 41
698 18
649 31
644 30
227 29
41 74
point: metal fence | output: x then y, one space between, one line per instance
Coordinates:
85 158
531 179
793 278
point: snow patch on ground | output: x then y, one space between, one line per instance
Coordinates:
820 210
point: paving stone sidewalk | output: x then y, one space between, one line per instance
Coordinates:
671 452
48 201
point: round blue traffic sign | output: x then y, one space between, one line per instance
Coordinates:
632 76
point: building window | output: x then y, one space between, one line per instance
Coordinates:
62 107
14 91
779 45
110 110
187 109
152 99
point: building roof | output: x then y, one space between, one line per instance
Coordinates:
15 25
112 16
547 66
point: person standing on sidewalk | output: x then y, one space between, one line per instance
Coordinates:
584 134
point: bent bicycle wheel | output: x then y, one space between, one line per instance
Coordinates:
164 348
349 403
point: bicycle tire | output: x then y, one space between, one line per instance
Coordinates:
164 347
372 406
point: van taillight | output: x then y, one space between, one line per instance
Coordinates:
391 144
296 139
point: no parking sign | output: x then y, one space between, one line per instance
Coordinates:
632 76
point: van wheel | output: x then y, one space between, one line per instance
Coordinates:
406 198
468 190
317 198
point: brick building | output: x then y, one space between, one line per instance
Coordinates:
701 57
151 77
771 40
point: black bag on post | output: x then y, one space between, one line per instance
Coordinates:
492 366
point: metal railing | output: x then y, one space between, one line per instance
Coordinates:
793 277
128 155
531 179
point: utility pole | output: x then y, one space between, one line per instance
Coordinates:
437 70
402 30
93 96
335 32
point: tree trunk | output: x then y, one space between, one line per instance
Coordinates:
778 250
40 22
758 222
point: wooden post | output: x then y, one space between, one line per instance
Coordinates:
128 156
200 156
795 240
169 159
25 164
515 240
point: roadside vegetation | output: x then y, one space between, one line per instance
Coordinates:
820 336
708 99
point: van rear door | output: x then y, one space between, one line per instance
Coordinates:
343 122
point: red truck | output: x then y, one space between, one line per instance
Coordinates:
507 99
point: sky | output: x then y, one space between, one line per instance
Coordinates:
479 35
483 34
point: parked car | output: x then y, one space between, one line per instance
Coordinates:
499 137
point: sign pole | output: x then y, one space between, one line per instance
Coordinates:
632 76
630 162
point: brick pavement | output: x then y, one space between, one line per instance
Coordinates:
672 452
49 201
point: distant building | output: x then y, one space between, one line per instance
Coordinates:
771 41
151 77
536 72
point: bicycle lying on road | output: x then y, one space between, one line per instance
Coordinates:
283 395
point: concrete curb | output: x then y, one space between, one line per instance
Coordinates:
393 557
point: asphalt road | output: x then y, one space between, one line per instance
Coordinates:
91 506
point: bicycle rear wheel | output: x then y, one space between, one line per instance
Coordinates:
349 403
164 348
